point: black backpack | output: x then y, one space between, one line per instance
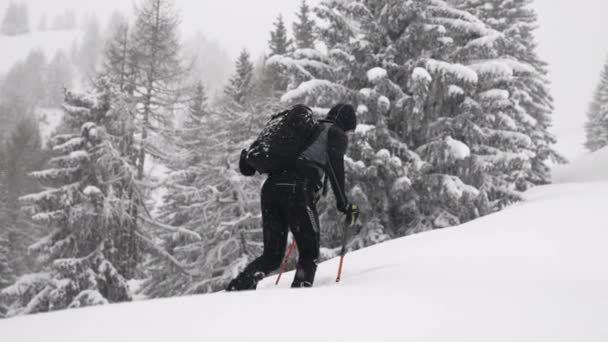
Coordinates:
282 140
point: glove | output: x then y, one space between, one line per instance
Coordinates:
352 214
244 167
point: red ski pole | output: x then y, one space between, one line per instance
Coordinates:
342 254
291 248
347 227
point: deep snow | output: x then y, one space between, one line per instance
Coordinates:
538 271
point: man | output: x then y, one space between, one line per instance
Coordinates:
289 201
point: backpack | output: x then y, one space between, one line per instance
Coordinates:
284 137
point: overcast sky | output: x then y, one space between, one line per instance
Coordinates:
570 37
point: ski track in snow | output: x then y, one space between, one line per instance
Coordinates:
537 271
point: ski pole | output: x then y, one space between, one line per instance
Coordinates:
291 248
343 251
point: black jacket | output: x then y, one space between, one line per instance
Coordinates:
337 143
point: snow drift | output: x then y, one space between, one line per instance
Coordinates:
535 272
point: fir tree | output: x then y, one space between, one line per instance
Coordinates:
155 38
279 43
422 75
529 92
303 28
198 105
93 208
208 195
239 89
597 116
7 276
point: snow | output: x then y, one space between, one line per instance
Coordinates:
533 272
17 48
384 103
50 119
457 149
92 191
589 168
454 90
488 41
376 75
421 75
493 68
362 109
458 71
304 89
364 128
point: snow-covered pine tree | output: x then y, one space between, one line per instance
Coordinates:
197 106
279 43
596 127
94 208
304 28
529 90
7 276
207 194
91 209
23 154
240 88
420 80
155 39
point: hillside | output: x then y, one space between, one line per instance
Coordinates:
534 272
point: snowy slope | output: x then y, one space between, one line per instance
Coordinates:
589 168
17 48
537 271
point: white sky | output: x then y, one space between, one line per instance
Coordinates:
570 38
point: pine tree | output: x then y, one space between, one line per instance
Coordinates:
303 28
93 207
208 195
198 104
155 38
9 22
530 92
116 22
597 117
119 61
7 276
240 88
16 19
437 145
279 43
24 85
23 19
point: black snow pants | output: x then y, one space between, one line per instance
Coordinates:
289 203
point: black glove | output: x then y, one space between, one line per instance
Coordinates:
352 214
245 168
